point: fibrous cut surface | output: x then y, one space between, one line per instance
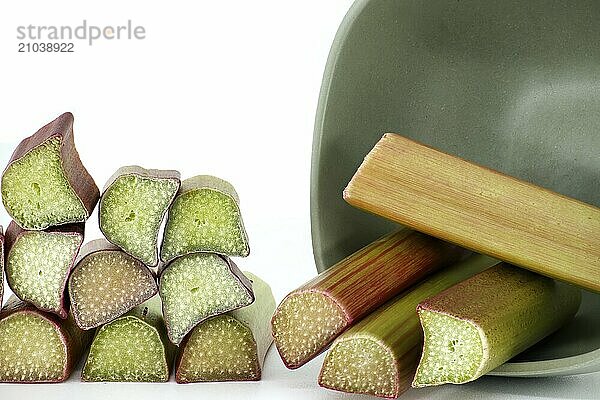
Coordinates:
198 286
303 325
360 365
126 350
36 192
106 284
38 266
219 349
452 352
31 349
204 220
131 212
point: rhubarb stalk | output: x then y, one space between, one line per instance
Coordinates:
45 184
131 348
197 286
38 264
480 209
205 216
477 325
36 346
106 283
132 207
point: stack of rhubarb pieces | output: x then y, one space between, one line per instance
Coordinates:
132 310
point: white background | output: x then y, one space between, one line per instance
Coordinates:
227 88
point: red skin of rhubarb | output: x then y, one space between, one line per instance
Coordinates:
96 246
14 232
180 356
78 176
235 271
2 251
354 293
75 340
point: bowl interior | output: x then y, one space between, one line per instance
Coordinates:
511 85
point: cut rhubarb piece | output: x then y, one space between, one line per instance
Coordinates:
132 207
45 184
205 216
480 209
38 264
231 346
312 316
379 355
36 346
106 283
198 286
477 325
366 365
131 348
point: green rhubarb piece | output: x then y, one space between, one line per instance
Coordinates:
45 184
36 192
38 264
132 208
205 216
231 346
379 355
37 346
131 348
32 349
106 283
477 325
365 365
304 324
198 286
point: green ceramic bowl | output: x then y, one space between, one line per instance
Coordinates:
513 85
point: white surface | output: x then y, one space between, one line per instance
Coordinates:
227 88
279 383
